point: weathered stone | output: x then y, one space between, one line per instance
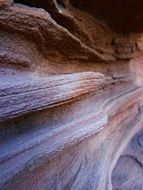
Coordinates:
71 95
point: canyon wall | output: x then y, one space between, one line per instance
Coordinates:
71 95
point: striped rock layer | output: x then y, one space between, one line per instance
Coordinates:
71 95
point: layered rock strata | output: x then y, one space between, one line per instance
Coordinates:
70 95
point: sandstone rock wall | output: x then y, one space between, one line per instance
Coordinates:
70 95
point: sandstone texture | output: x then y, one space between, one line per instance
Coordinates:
71 95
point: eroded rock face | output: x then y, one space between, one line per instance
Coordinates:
128 173
122 16
70 95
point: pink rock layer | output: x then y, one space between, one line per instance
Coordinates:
71 95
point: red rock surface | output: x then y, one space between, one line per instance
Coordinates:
71 95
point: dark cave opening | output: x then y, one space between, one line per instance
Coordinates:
33 3
44 4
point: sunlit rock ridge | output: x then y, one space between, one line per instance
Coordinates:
71 95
